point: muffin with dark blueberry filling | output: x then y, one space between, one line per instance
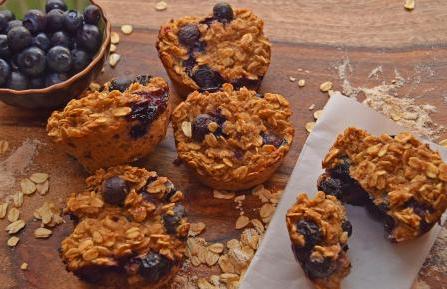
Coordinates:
202 53
401 181
130 229
123 122
233 139
319 231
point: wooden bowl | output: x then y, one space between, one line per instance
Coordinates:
58 94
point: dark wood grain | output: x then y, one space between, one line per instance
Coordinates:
314 36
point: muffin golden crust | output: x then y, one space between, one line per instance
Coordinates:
399 179
130 229
123 122
319 232
202 53
233 139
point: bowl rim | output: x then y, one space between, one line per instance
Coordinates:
75 77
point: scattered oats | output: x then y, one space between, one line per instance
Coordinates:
242 221
28 187
225 264
443 143
202 283
233 243
4 146
18 199
223 195
3 210
239 198
195 261
409 4
292 79
127 29
43 188
94 86
266 210
112 48
310 126
196 229
161 6
317 114
326 86
301 83
15 227
250 237
258 226
24 266
211 258
186 128
115 38
13 241
202 252
114 58
42 233
49 214
216 248
121 111
312 106
39 178
13 215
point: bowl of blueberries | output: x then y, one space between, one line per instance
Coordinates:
50 50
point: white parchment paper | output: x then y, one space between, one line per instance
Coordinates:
376 263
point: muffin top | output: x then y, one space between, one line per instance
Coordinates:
227 46
402 176
231 134
137 102
125 213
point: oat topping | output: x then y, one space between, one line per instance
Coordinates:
404 178
235 134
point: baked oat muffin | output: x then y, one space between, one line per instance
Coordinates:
319 231
202 53
130 229
233 139
400 180
123 122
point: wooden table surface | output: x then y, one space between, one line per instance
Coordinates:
310 39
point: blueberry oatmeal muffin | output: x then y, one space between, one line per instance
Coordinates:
119 124
130 229
202 53
319 231
400 180
233 139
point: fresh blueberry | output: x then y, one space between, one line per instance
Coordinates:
19 38
347 227
223 12
152 267
5 71
17 81
88 37
35 21
55 78
114 190
61 38
4 48
12 24
32 61
55 20
59 59
3 22
207 79
200 126
189 34
311 232
120 84
272 139
37 82
42 41
81 59
55 4
171 222
8 14
72 20
92 14
143 79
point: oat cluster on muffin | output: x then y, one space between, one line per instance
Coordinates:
233 139
319 232
130 229
123 122
398 178
202 53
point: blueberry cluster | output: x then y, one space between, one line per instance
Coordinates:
48 47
